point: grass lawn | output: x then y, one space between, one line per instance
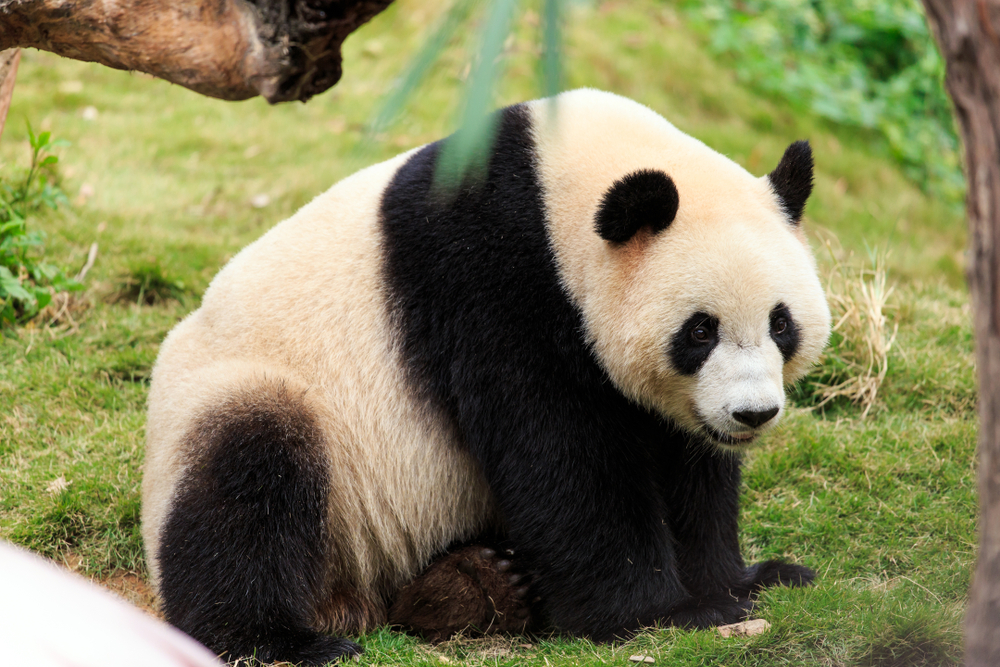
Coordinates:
170 185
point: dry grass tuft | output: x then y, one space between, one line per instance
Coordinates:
489 648
856 363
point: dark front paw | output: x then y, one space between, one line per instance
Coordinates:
776 573
472 588
707 611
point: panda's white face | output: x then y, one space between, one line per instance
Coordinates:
704 317
718 319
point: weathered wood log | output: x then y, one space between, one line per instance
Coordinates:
968 32
230 49
8 73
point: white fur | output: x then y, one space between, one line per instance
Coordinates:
731 252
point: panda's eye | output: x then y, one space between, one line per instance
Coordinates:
701 334
779 326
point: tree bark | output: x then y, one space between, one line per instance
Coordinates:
230 49
968 32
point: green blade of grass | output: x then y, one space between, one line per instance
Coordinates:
469 147
406 84
552 47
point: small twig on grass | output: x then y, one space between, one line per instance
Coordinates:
91 258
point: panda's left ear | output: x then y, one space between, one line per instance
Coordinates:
647 197
792 179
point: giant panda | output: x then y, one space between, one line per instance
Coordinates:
571 350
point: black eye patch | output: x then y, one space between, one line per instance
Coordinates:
784 331
692 344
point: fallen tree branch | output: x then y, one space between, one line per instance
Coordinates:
282 50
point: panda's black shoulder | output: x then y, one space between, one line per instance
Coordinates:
472 280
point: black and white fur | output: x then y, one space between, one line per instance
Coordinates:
567 350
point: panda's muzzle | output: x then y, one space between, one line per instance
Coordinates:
754 419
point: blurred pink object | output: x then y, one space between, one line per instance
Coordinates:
51 618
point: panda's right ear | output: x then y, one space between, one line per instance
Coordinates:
647 197
792 179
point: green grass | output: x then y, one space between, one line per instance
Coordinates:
883 508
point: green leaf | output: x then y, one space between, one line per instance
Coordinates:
469 148
14 226
44 272
43 297
49 159
11 286
61 283
458 14
552 47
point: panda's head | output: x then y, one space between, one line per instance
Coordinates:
698 290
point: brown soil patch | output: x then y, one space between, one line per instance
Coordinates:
127 585
134 589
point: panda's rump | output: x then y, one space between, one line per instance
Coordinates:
401 485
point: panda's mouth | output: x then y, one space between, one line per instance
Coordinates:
734 439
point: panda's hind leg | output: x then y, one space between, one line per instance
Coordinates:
473 588
244 549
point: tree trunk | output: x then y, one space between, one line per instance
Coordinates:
968 32
231 49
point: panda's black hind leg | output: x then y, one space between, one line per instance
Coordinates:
244 548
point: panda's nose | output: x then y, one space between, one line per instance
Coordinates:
754 418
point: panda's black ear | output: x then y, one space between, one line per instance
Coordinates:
644 197
792 179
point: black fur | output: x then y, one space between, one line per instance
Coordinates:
619 517
647 197
243 550
792 179
687 351
788 339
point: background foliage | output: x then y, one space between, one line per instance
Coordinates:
26 282
868 64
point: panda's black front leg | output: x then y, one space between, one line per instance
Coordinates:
702 488
579 499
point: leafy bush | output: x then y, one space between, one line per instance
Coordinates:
27 284
869 64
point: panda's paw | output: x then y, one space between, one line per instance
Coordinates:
707 611
776 573
472 589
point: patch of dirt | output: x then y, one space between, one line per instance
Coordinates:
134 589
128 586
